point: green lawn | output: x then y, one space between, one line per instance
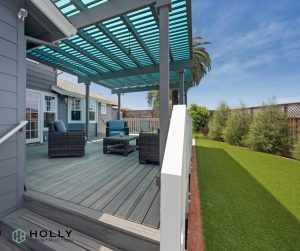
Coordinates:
249 200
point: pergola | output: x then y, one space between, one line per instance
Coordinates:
126 46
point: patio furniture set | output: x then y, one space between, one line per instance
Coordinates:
63 143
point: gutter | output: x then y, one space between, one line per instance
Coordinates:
55 16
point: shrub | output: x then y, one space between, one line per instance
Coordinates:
200 116
237 127
269 131
218 122
296 151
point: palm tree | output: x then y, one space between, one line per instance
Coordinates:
201 60
201 66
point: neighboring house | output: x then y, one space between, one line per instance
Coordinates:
49 98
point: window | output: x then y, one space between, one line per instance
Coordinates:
75 109
49 110
92 110
103 108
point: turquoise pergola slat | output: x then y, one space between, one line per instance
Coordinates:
83 52
53 63
127 22
128 42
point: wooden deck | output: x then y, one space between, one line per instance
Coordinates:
113 184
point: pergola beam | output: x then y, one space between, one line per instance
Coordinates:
40 42
104 51
108 10
107 85
63 62
107 33
45 62
83 52
156 18
78 4
133 31
70 56
174 66
144 88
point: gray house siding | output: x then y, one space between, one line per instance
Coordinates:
63 115
93 131
62 110
40 77
12 106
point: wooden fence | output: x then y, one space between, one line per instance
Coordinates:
292 111
295 129
137 125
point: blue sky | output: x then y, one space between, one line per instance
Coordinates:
255 53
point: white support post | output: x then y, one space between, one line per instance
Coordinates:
164 66
87 108
175 181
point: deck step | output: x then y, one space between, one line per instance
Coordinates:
114 231
41 227
5 245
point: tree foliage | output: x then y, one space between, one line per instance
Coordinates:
269 131
200 116
237 126
153 99
201 60
218 121
201 66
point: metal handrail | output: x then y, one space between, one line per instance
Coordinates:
18 127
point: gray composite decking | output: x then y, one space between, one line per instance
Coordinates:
108 183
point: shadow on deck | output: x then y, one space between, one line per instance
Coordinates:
113 184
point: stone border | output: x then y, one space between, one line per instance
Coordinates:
195 239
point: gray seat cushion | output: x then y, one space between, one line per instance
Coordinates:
59 126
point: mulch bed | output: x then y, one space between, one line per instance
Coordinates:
195 240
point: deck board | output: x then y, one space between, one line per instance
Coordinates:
129 204
108 183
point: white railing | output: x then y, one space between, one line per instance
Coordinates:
18 127
137 125
175 181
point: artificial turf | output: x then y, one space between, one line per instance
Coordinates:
249 200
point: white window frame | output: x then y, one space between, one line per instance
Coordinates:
105 108
45 110
41 108
70 110
95 105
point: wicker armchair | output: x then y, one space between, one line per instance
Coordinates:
65 144
148 147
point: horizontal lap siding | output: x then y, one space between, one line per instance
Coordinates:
39 77
81 127
62 110
11 89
